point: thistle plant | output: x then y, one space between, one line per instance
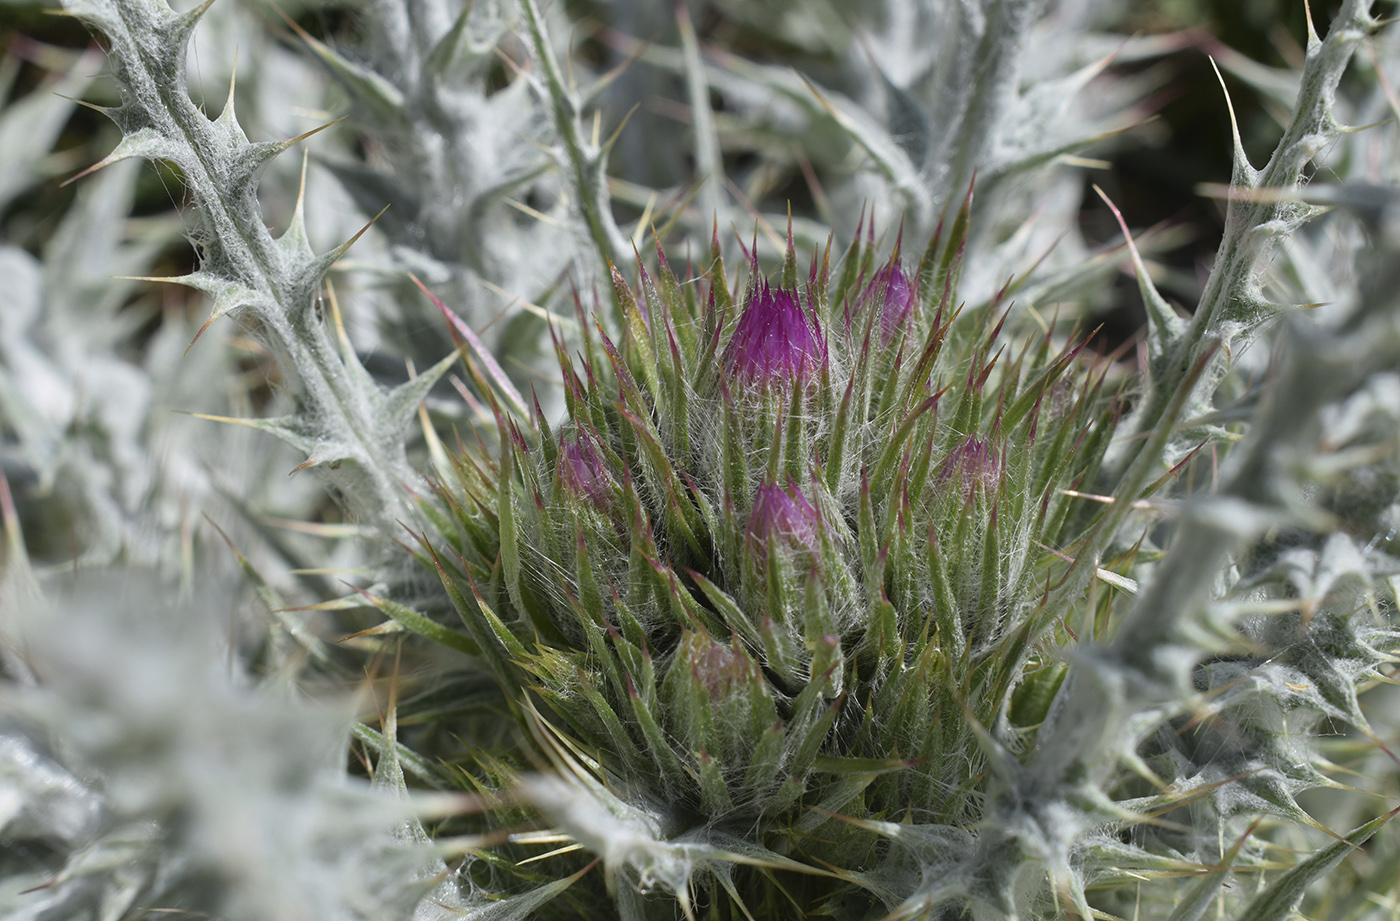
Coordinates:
835 574
778 572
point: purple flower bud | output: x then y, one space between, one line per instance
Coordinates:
895 296
718 668
973 462
900 301
716 695
786 516
775 343
582 471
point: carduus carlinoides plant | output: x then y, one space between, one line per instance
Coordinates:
841 585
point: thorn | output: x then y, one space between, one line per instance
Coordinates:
1234 123
232 82
814 185
461 333
336 319
1357 129
212 318
1228 192
295 27
224 534
342 248
612 138
231 420
53 882
292 142
87 105
533 212
1127 236
759 221
1375 739
167 279
604 81
105 161
678 210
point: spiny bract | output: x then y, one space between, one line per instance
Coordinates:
778 571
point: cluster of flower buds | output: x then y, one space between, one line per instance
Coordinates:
782 534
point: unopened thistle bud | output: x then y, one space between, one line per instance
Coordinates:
776 344
719 704
892 293
583 473
973 463
719 668
786 517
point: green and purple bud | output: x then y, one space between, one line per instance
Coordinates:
721 670
973 464
589 505
718 704
783 517
583 473
794 567
776 344
894 295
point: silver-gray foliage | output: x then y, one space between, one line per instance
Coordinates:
141 766
143 762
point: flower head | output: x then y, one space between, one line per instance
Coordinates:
719 669
775 344
719 703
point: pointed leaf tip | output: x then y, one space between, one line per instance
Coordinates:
343 248
1240 158
293 141
460 328
200 332
1166 325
